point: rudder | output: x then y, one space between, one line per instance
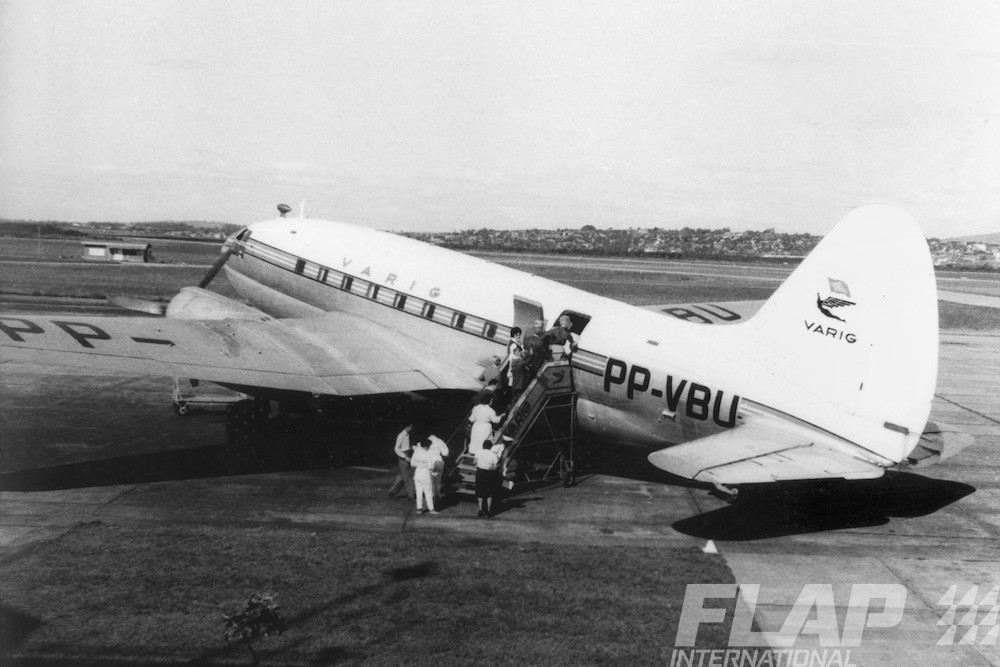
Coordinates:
850 341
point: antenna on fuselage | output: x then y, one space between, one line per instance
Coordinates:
283 209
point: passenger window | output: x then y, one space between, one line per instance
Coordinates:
489 329
321 276
346 284
399 302
300 266
373 291
428 310
458 320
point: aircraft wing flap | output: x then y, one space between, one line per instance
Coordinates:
766 448
333 355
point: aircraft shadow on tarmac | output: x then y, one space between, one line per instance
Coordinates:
174 465
15 627
794 508
823 506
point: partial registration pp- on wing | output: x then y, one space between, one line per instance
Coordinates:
331 354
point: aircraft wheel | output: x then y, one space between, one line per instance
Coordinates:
182 408
566 474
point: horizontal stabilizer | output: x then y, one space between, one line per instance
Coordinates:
937 443
768 448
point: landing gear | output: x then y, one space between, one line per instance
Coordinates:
728 493
566 473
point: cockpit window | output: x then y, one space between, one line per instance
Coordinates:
240 240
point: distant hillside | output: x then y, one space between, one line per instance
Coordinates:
189 223
993 237
165 228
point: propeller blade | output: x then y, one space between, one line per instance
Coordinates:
140 305
215 268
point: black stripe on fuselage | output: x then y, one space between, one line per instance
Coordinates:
377 293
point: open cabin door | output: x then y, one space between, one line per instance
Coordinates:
526 312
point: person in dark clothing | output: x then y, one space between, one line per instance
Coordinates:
487 479
537 350
561 335
404 450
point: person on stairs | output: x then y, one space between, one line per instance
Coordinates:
482 417
487 479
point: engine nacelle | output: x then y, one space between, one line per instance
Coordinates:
195 303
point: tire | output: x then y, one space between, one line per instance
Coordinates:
566 474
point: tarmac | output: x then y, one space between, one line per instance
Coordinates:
83 448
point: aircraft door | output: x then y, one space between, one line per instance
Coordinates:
526 312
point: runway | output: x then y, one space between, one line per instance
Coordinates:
80 449
940 530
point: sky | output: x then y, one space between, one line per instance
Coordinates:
453 115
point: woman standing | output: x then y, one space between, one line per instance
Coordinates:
514 361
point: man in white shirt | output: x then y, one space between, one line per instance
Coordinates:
423 462
405 477
439 450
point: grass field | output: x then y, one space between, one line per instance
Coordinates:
157 595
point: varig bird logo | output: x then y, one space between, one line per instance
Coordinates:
825 305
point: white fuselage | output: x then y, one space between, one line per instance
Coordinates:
642 378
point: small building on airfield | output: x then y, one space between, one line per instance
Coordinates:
117 251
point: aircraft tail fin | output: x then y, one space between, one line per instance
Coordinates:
851 338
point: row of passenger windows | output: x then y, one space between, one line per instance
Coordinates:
400 301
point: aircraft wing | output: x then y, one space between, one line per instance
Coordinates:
767 447
330 354
716 312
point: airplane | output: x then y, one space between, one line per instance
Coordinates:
332 310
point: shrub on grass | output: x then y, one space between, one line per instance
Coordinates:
259 618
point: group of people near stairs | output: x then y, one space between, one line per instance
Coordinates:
421 460
421 467
421 457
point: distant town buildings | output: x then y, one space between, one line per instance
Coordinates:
965 254
686 243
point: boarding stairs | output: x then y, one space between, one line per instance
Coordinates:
537 434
